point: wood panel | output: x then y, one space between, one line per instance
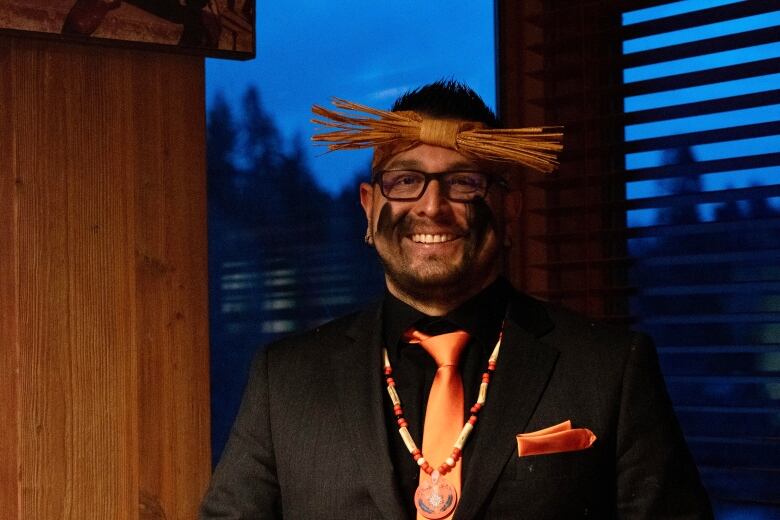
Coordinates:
9 343
517 92
557 67
104 204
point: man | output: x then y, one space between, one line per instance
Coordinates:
561 417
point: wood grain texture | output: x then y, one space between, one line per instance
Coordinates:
517 92
106 186
9 326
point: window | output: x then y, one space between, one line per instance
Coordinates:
702 143
285 224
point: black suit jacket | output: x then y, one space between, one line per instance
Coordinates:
310 440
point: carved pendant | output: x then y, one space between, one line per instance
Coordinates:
435 498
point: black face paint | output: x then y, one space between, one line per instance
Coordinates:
384 223
481 219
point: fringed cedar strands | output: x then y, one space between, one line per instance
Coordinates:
535 147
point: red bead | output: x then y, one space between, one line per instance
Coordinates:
426 468
485 378
455 456
476 408
402 422
456 453
473 420
491 366
416 454
388 371
390 381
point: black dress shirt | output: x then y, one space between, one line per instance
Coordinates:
414 368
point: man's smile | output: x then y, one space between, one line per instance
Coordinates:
431 238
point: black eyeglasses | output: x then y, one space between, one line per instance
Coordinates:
457 186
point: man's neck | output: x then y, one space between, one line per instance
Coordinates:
440 301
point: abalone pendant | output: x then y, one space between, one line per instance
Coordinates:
435 498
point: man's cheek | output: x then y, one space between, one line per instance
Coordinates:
387 221
480 218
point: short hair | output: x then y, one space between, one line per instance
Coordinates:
447 99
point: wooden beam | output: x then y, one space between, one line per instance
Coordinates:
102 282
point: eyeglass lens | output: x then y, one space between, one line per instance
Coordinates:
411 184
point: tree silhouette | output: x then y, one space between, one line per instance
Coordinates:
283 254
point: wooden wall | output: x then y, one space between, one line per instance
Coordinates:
103 321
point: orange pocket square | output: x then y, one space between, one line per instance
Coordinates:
555 439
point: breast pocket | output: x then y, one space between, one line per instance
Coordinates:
557 466
558 485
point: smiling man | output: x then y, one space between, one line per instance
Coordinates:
455 396
436 225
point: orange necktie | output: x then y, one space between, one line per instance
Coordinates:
444 413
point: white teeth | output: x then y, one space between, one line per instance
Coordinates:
431 239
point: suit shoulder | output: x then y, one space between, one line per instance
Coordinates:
314 341
572 329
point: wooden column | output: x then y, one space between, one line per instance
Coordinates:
103 320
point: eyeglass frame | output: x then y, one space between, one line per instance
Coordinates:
491 179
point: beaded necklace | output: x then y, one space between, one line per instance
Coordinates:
436 498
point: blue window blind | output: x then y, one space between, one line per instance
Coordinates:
701 94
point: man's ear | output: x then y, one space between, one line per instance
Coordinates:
367 198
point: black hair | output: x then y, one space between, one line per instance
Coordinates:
447 99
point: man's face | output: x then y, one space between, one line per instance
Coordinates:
433 246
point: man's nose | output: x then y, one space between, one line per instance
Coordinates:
433 200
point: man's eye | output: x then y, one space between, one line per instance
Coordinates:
403 179
466 181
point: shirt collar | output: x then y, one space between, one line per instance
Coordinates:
481 316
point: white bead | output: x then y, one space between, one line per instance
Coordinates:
464 435
450 461
407 438
393 396
421 461
482 397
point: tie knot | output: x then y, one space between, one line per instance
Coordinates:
445 349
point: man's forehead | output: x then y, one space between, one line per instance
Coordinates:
425 157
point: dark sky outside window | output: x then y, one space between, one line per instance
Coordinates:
369 52
286 231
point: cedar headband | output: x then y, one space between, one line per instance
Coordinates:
393 132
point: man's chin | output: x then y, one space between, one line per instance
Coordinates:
429 279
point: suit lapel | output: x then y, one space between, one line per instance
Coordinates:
357 372
524 367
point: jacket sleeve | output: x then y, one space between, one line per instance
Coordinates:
244 485
656 475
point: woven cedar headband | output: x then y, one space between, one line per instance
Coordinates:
393 132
